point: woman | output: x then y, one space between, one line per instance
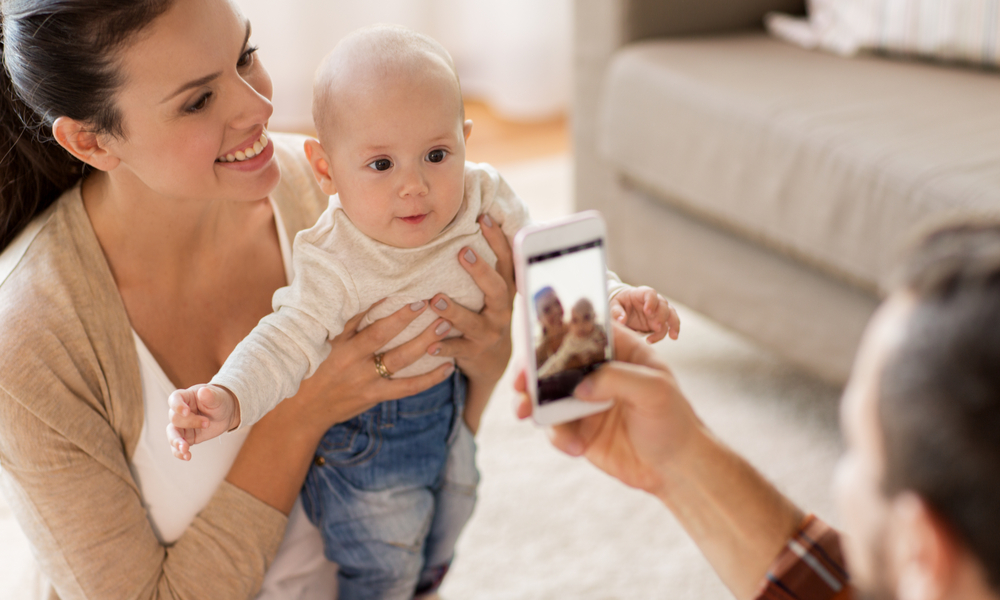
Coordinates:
136 255
550 317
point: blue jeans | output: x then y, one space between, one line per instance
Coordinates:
391 489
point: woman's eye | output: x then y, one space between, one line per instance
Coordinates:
247 57
436 156
381 164
201 103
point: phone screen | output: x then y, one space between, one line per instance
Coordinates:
568 308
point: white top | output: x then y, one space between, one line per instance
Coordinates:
340 271
174 491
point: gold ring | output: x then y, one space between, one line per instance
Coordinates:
380 367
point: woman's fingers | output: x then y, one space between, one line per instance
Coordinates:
497 240
381 332
407 386
497 289
410 351
474 326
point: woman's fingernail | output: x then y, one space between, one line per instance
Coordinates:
470 256
417 306
449 370
441 304
443 328
436 351
487 221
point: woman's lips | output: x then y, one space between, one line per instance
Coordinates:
253 163
415 219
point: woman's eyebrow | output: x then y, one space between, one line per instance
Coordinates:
207 78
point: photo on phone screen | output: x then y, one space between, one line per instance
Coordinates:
568 309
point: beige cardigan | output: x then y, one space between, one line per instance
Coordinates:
71 410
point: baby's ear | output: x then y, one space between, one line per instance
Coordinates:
467 129
320 163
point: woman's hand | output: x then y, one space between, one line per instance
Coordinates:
646 429
483 350
279 449
347 383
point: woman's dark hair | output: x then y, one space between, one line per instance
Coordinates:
58 60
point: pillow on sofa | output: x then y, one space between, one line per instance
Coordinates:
950 30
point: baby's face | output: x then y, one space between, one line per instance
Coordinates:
581 323
398 158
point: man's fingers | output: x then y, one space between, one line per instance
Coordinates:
622 382
567 438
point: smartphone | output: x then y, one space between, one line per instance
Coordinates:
562 281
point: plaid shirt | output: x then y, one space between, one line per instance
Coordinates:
809 567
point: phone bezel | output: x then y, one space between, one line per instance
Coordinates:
541 239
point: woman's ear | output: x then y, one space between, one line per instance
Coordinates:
83 144
320 163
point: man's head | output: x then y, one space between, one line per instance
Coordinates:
919 483
388 110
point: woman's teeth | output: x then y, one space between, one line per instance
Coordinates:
247 153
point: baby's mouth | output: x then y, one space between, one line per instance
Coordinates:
415 219
248 152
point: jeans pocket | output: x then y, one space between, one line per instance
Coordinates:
349 443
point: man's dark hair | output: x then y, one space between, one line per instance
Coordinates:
939 403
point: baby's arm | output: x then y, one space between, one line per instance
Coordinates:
200 413
642 309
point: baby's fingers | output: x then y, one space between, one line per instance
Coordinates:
179 447
181 414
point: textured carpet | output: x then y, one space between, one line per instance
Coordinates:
551 527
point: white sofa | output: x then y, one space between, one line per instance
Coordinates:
767 186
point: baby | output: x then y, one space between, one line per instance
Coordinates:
391 489
583 345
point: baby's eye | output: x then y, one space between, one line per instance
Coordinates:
436 156
381 164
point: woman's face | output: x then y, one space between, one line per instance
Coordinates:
550 312
194 92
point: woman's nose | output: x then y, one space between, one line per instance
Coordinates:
252 108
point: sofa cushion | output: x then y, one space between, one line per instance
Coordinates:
834 161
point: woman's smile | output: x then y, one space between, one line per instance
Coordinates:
248 150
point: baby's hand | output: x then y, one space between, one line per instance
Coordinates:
642 309
199 413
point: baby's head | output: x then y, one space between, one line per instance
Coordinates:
581 322
388 110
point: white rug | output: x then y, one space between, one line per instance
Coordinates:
551 527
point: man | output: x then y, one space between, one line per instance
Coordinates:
918 486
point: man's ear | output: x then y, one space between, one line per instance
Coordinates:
83 144
320 163
467 128
923 552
